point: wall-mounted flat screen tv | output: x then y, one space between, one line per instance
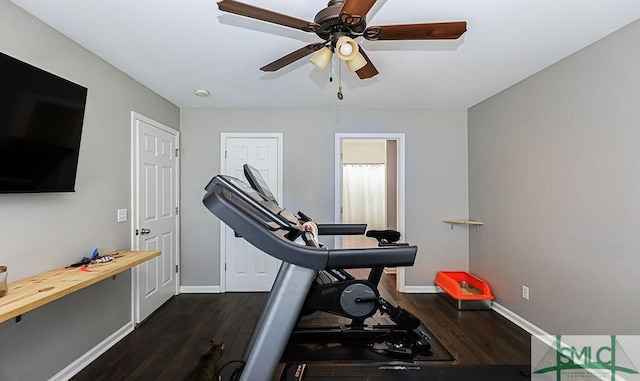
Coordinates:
41 117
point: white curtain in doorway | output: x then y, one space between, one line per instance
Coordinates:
364 194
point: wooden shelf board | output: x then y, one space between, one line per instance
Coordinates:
33 292
467 222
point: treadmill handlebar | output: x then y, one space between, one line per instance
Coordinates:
335 229
342 229
257 224
372 257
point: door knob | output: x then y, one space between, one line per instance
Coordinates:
144 231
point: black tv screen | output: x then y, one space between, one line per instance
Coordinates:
41 117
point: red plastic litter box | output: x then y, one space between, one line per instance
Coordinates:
464 291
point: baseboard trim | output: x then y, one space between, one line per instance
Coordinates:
518 320
84 360
500 309
420 289
200 289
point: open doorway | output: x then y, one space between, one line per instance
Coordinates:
370 186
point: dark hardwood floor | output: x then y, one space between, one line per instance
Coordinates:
168 344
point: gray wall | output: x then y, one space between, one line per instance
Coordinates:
436 177
44 231
554 171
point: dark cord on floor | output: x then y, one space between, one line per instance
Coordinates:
236 373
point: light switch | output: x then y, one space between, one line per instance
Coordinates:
122 215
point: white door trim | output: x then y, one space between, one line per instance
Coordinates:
279 196
400 138
135 218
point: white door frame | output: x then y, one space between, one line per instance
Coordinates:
279 196
135 218
399 137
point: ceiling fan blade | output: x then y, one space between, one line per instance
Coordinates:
430 31
254 12
292 57
367 70
354 11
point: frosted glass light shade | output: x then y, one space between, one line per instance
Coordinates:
357 62
322 58
346 48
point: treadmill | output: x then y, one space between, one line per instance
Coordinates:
338 292
272 229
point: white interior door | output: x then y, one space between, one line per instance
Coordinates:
155 213
247 268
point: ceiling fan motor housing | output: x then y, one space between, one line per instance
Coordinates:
330 22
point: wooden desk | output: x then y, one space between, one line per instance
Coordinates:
33 292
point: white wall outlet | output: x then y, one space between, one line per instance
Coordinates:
122 215
525 292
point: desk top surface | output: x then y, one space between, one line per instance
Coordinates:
30 293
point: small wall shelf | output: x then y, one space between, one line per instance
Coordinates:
465 222
33 292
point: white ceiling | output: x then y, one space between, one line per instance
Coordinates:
177 46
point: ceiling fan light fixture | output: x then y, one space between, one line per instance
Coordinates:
346 48
322 58
357 62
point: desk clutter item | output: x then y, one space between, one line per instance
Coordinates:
464 291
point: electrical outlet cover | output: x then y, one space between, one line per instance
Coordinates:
525 292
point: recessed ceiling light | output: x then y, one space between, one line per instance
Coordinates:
202 93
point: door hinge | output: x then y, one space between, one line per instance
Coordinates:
176 268
176 210
225 154
177 152
225 266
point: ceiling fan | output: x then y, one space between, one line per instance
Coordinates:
338 24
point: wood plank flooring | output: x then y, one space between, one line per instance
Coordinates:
167 345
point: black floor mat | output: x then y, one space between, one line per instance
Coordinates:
431 371
358 352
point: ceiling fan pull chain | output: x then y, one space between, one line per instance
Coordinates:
340 95
331 71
